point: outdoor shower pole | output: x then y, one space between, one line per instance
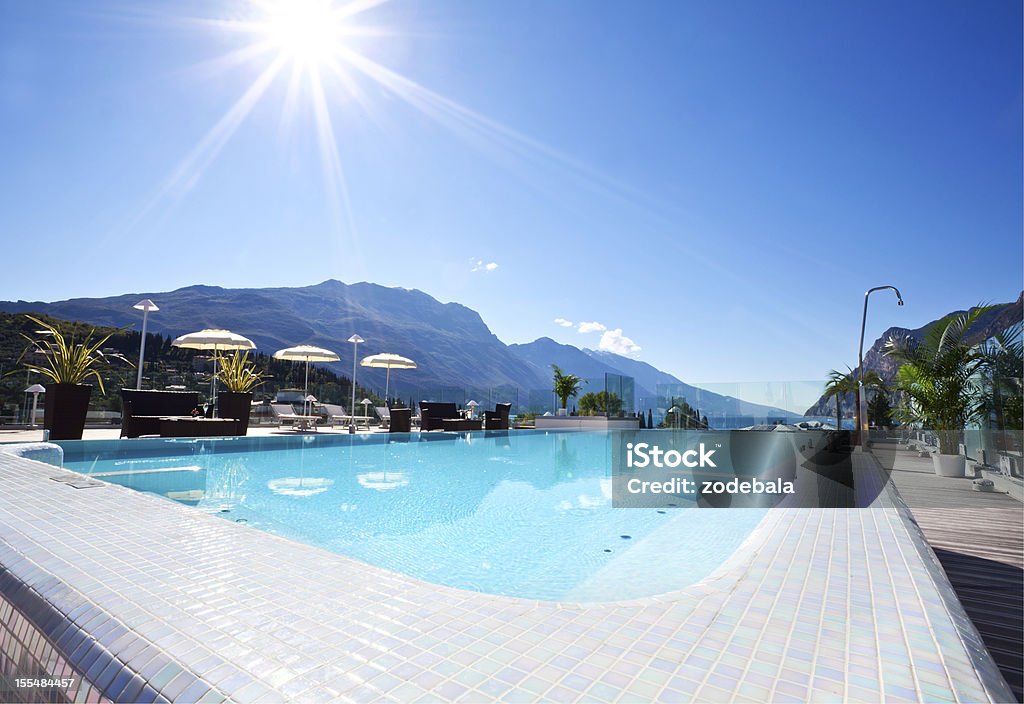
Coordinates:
145 305
862 429
355 340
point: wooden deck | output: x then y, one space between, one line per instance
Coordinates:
979 539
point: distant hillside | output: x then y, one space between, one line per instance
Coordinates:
543 352
458 356
996 320
646 376
652 386
450 343
164 366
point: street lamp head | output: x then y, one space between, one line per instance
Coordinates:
146 306
355 339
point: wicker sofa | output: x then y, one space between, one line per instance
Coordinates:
142 410
433 412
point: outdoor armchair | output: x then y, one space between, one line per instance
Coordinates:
498 418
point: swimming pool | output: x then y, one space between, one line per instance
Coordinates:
524 514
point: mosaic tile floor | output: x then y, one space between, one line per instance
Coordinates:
818 605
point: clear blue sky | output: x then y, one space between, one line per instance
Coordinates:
719 181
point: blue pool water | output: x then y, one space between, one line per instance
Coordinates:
521 514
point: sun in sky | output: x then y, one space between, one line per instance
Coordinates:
316 48
305 43
306 31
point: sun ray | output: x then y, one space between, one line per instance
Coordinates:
187 172
447 112
306 40
334 174
218 65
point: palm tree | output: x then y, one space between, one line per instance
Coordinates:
938 379
565 385
840 384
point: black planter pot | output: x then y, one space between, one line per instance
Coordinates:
65 410
237 406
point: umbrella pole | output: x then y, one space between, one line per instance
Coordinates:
387 383
305 389
214 401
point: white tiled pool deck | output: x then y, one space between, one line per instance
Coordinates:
818 605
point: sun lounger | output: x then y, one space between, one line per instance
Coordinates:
283 412
339 416
385 416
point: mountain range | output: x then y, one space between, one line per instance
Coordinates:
453 347
455 351
997 319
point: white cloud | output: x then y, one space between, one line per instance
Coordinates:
563 322
479 265
615 341
591 327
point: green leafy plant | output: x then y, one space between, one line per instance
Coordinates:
238 374
880 410
527 418
565 385
65 361
839 384
602 402
680 414
938 380
1003 358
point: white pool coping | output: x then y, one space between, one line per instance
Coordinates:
149 595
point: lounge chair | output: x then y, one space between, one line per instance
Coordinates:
385 416
284 412
498 418
337 415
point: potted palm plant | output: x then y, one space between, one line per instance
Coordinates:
565 385
239 377
67 365
937 381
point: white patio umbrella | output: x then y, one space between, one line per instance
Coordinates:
389 361
306 353
215 340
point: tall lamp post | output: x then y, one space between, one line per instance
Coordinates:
862 424
145 305
355 340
